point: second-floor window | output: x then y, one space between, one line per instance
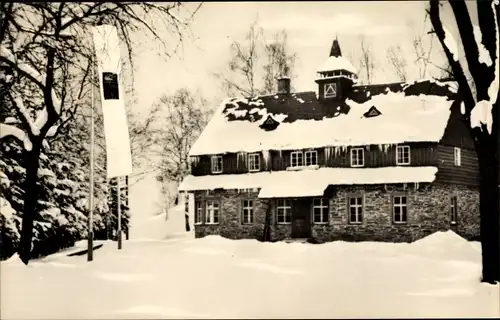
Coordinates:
402 155
253 162
216 164
296 159
457 157
357 157
311 157
330 90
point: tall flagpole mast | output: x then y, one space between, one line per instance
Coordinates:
118 202
90 244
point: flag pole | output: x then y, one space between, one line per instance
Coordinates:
90 237
118 202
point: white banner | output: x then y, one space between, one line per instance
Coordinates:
107 49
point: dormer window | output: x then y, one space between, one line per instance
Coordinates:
330 90
216 164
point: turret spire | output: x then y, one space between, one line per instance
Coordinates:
335 50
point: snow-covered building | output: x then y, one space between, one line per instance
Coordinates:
390 162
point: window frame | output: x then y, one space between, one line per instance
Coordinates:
457 156
401 206
250 209
287 211
453 210
403 147
210 218
196 209
310 152
322 208
253 156
291 159
213 159
334 88
356 150
361 215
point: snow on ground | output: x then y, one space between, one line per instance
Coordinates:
215 277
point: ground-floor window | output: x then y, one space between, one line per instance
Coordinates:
283 211
399 209
320 210
198 212
212 211
355 209
247 211
453 210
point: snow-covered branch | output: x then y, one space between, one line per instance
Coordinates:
9 130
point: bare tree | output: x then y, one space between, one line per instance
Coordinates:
256 63
481 95
366 60
398 62
241 78
279 61
47 47
185 115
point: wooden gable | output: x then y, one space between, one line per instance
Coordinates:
372 112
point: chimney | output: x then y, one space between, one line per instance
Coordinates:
284 85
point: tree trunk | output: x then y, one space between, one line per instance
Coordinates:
31 165
489 208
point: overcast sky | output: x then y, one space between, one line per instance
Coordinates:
311 27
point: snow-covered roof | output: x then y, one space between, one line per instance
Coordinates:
337 63
272 183
412 112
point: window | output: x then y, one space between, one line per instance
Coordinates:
284 211
296 159
330 90
400 209
355 209
402 155
254 162
212 212
357 157
247 211
458 154
320 210
198 212
453 210
311 158
216 164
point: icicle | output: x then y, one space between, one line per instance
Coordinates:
367 148
336 151
404 186
416 186
327 154
280 154
380 148
385 187
266 157
238 160
386 147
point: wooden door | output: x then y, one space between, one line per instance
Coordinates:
301 218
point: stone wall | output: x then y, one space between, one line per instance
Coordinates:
428 211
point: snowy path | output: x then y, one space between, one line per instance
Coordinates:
213 277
